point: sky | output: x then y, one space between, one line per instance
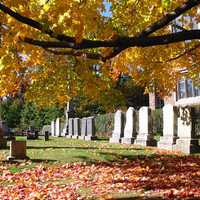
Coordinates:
107 12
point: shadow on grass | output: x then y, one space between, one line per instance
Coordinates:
43 160
79 147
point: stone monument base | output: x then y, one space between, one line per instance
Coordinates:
74 136
88 138
127 140
187 145
81 137
114 140
167 143
145 140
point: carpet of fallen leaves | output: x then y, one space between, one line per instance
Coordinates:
172 177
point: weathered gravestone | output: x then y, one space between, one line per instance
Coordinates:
70 128
188 138
118 131
3 141
53 128
77 130
58 126
168 140
145 136
64 130
90 129
83 128
46 135
130 127
17 150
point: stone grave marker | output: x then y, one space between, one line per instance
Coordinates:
83 128
58 126
188 140
145 136
46 136
17 150
130 127
77 130
53 128
118 131
70 128
90 129
168 140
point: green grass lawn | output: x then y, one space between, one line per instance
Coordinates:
72 150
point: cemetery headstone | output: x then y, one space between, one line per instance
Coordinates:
83 128
53 128
77 130
58 126
17 150
90 129
130 127
70 128
145 136
188 139
46 136
168 140
118 131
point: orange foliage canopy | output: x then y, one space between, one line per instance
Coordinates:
49 47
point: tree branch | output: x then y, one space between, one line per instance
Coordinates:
187 51
165 20
120 43
34 24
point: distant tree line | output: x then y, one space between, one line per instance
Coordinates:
20 115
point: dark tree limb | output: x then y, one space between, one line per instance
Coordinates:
122 43
34 24
165 20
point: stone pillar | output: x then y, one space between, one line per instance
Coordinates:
64 131
145 136
187 141
53 128
58 131
118 131
130 127
83 128
90 129
70 128
168 140
77 130
17 150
